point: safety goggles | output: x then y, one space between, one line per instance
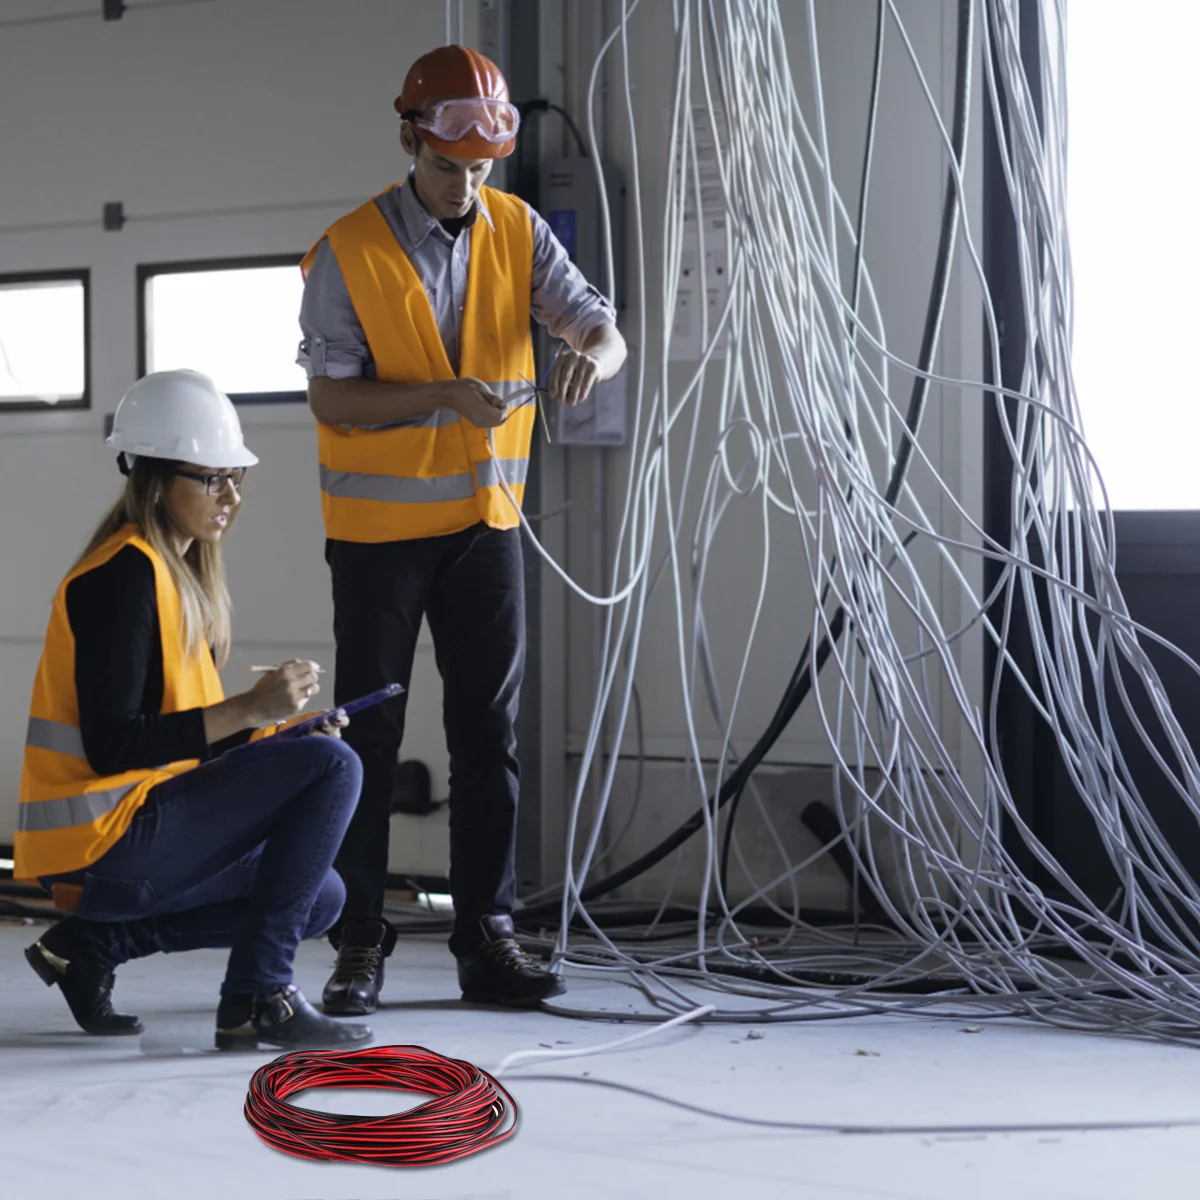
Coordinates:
453 120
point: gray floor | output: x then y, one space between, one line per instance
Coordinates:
161 1116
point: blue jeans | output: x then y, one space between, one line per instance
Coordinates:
237 853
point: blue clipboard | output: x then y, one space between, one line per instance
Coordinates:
304 728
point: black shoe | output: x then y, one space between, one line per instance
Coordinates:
283 1019
353 988
500 972
86 985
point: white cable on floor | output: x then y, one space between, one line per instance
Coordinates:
527 1056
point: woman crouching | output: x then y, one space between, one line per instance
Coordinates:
205 851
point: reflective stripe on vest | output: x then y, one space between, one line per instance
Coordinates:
55 736
69 816
69 811
514 471
396 489
433 474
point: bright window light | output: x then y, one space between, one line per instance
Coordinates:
239 325
1135 244
43 341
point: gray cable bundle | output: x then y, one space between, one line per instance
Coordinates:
808 426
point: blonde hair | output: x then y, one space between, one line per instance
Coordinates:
199 575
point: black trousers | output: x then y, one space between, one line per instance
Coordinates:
471 589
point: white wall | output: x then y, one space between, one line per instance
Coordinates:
230 104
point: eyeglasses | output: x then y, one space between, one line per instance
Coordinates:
215 484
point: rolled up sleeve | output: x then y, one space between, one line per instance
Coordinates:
333 344
563 300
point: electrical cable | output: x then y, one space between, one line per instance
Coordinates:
541 106
469 1110
802 678
527 1056
92 13
14 908
788 454
859 1129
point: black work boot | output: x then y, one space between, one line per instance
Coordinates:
283 1019
85 983
500 972
353 988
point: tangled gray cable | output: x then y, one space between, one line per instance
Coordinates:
808 435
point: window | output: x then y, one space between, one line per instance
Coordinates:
236 320
1135 244
44 340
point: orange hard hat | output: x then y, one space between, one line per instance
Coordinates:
457 100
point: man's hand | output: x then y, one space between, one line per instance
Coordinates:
572 377
476 403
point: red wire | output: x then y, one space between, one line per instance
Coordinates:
468 1112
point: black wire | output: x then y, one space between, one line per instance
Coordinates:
801 681
14 908
9 888
93 12
868 155
541 106
12 893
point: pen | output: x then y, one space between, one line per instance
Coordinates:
260 669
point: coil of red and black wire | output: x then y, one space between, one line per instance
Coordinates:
468 1111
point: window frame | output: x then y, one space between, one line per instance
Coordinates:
147 271
81 275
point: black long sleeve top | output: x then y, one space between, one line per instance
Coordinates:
113 613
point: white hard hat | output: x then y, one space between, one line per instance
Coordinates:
180 415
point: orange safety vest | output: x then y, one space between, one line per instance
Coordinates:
434 475
68 815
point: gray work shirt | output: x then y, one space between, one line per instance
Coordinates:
334 344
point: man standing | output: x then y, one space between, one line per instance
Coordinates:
417 344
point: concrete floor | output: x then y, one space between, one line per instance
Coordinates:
161 1116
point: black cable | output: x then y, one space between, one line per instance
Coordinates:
96 11
32 890
12 893
802 677
14 908
541 106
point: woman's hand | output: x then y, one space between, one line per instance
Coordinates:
283 693
333 727
278 696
